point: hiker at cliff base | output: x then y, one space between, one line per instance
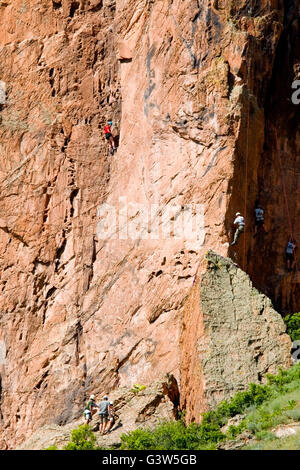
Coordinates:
239 222
259 220
109 136
290 253
103 414
90 409
111 416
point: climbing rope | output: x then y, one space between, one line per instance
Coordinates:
285 195
246 166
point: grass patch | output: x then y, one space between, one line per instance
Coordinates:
284 443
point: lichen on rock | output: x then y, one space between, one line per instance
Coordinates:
232 336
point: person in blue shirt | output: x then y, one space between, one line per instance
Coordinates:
290 253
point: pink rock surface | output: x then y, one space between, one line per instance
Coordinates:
80 313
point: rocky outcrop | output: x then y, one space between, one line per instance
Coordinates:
230 343
189 88
135 409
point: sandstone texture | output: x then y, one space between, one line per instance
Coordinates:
196 91
231 343
144 409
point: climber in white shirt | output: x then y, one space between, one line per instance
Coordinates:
240 222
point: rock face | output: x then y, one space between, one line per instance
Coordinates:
227 344
195 94
142 409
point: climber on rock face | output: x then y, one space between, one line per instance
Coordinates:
290 253
90 409
109 136
240 223
103 413
259 220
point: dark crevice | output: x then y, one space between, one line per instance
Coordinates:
47 200
50 292
44 314
97 7
66 143
60 251
231 82
94 254
56 4
72 197
74 6
171 389
125 359
40 382
125 61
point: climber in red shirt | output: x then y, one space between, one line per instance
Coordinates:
109 136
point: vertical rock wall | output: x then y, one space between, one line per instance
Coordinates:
278 172
81 312
59 69
267 151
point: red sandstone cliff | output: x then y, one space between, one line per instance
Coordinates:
197 90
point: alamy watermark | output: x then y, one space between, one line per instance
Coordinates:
135 221
296 94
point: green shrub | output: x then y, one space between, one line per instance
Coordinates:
256 395
82 438
174 435
277 410
137 388
52 448
234 431
284 378
209 432
138 440
293 326
261 420
265 436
